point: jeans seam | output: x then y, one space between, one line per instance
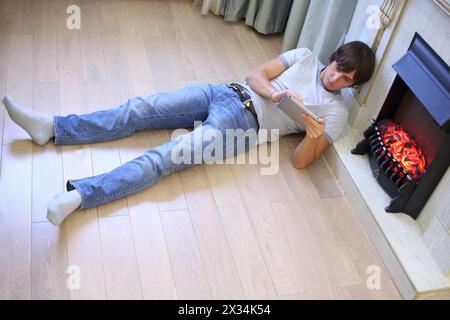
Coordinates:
124 126
225 96
122 192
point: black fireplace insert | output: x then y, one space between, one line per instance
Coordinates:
409 142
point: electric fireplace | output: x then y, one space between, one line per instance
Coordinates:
409 142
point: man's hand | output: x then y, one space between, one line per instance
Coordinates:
278 95
314 129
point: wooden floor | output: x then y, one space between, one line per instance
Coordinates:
211 232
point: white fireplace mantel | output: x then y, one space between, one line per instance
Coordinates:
397 237
408 247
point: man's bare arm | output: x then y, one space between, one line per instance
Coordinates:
308 151
259 78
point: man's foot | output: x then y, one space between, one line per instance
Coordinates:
39 126
62 205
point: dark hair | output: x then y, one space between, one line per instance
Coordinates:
355 55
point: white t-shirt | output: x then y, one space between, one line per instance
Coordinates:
302 75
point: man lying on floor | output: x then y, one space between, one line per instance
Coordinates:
222 107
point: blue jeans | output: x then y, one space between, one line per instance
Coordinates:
216 106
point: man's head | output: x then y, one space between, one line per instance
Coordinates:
351 64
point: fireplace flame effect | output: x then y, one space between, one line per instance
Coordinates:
403 148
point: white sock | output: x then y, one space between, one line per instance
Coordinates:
38 125
62 205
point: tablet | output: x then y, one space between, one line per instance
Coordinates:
295 110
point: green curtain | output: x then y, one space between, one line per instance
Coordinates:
215 6
266 16
320 25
